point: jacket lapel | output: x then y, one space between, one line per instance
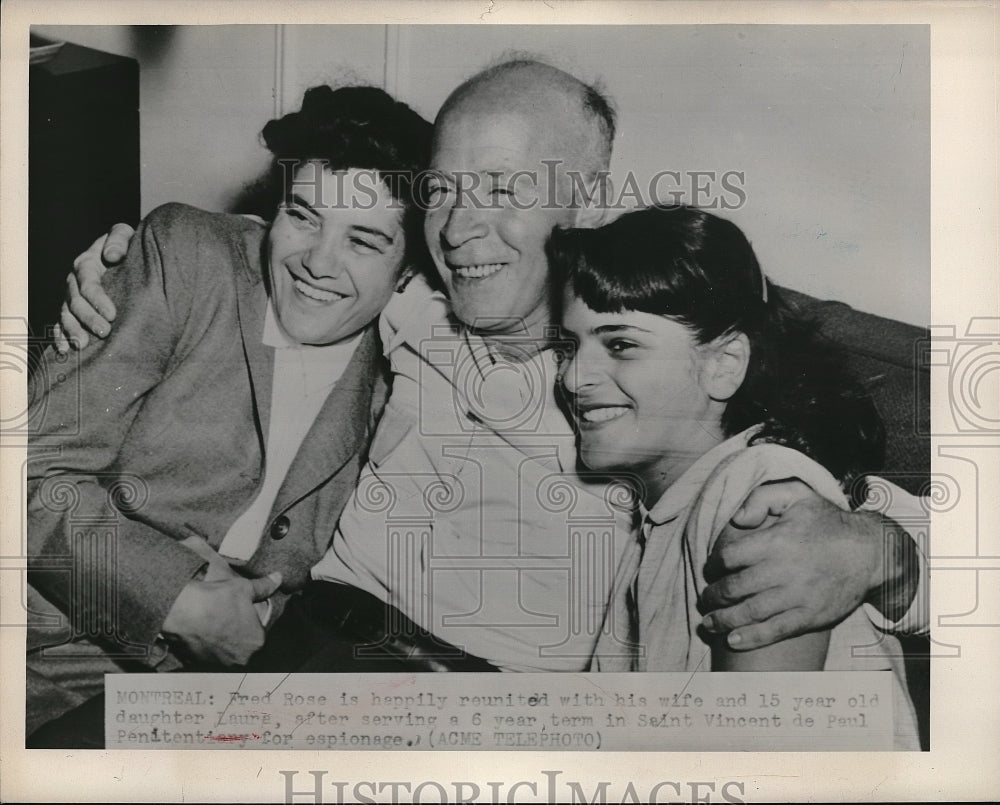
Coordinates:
340 427
251 301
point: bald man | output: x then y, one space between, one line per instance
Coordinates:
479 543
471 518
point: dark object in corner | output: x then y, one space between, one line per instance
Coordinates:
83 173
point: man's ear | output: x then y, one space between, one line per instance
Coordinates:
593 204
725 367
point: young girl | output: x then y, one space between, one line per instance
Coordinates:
688 377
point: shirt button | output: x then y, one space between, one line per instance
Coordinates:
279 528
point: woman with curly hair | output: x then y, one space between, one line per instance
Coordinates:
222 425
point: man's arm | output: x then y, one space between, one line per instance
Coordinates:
806 567
88 310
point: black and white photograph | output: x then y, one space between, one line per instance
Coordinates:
469 388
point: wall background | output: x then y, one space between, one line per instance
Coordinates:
829 125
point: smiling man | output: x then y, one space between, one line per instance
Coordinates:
473 450
505 146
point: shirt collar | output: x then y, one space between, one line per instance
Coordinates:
274 336
412 315
680 493
419 312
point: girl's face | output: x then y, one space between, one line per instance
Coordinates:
639 387
334 251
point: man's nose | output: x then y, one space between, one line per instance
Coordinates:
464 223
323 258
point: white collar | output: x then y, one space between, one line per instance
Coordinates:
274 336
679 493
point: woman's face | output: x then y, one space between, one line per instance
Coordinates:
636 384
335 251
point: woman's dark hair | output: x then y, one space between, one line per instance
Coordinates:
355 127
700 270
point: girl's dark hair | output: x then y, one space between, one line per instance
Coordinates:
700 270
355 127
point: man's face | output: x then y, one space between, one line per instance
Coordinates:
490 213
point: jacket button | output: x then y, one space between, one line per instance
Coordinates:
279 528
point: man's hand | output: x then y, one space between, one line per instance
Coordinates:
215 621
87 309
791 562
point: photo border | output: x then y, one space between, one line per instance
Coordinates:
965 714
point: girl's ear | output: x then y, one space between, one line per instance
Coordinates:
725 366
